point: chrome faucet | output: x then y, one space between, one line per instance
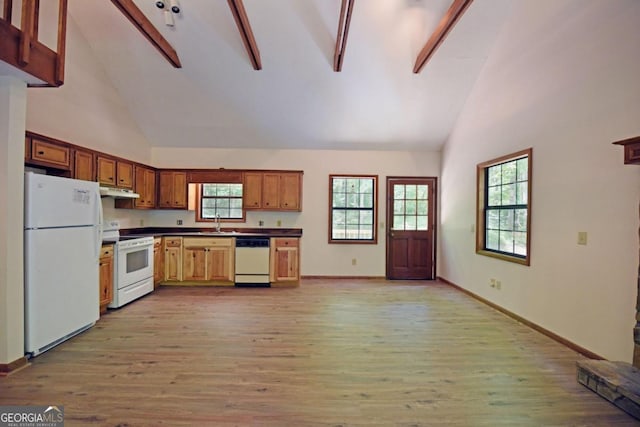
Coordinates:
218 222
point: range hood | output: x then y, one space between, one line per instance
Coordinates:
118 193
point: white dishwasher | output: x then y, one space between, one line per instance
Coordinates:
252 261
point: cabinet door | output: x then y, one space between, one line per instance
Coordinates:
252 190
106 277
270 190
173 259
290 191
180 190
165 182
285 258
83 165
158 264
125 175
106 171
173 190
194 263
145 185
150 187
140 188
49 154
220 265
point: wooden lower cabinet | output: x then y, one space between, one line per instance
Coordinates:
158 262
285 261
106 276
172 259
208 259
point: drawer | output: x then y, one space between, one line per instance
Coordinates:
106 251
173 242
207 242
281 242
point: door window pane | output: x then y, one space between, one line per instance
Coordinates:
410 206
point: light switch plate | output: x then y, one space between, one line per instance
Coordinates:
582 237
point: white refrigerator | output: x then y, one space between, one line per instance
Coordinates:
62 240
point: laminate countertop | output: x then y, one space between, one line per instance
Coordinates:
211 232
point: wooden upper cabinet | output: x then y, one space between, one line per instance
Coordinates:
276 191
124 174
106 171
83 165
252 189
27 148
290 191
172 190
145 186
270 190
149 187
117 173
50 154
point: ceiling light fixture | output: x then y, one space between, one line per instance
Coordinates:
174 8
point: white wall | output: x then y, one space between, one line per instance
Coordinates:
563 79
318 257
13 106
86 110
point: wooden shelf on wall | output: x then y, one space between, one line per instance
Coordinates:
631 150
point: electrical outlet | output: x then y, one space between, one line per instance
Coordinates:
354 261
142 223
179 222
492 283
498 284
473 228
278 223
582 237
261 223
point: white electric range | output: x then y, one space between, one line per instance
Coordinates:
133 264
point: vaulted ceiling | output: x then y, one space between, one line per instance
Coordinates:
296 99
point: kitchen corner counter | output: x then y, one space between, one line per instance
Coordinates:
211 232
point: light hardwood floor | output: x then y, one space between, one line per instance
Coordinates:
327 353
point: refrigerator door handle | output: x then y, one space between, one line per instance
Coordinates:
99 217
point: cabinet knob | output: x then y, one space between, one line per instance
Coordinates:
41 152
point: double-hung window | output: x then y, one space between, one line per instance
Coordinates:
219 200
352 208
504 207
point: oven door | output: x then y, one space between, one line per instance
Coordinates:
135 263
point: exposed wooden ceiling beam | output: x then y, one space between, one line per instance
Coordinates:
455 12
343 32
242 21
142 23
